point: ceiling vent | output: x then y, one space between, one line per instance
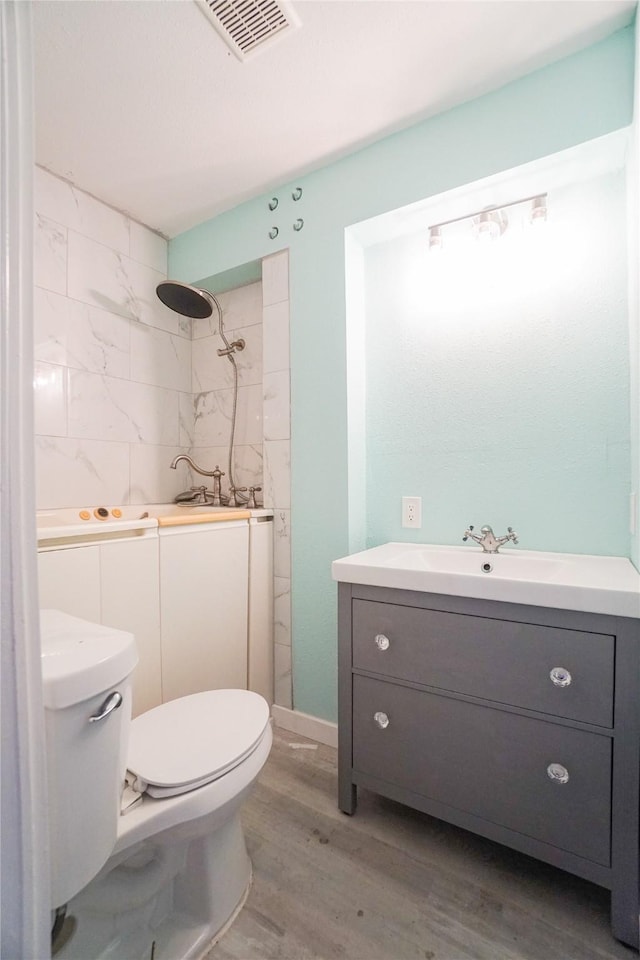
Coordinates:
248 26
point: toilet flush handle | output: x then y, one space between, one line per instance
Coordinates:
112 703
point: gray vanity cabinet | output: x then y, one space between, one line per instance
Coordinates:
518 723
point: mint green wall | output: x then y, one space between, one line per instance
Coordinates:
633 190
581 97
498 375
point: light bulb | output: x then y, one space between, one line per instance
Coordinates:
489 225
538 211
435 239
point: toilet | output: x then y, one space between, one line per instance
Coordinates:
148 857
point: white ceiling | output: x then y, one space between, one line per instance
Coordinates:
141 103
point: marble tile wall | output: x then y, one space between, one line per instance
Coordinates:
122 384
277 458
112 364
259 313
206 424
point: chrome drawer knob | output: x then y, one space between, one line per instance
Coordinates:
382 642
381 719
560 676
557 773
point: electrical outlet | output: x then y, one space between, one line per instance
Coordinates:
412 512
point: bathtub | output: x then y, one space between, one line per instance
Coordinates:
193 584
70 523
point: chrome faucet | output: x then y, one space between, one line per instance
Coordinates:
488 540
200 495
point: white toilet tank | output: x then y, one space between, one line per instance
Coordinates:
86 669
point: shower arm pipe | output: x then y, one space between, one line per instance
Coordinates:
220 322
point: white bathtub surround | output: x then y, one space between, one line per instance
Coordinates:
282 544
50 263
277 473
105 278
212 417
118 367
212 372
207 427
277 455
148 247
158 575
275 278
151 480
205 419
241 308
275 321
282 676
79 336
277 406
282 639
186 420
112 361
248 465
106 407
160 359
70 471
50 399
123 384
282 610
61 202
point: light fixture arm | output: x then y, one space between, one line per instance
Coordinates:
500 206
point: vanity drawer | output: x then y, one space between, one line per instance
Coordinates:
491 764
565 673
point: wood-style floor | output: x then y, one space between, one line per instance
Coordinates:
393 884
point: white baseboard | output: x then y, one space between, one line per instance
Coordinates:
323 731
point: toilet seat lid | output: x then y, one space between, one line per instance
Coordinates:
198 737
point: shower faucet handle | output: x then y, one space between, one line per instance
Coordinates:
233 499
201 495
252 497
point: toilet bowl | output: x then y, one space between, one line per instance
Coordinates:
177 870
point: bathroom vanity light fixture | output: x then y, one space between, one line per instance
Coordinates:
491 222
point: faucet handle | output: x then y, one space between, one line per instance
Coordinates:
467 533
233 500
512 534
201 495
252 497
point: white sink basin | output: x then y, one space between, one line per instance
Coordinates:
515 566
570 581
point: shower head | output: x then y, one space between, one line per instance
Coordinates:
185 299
